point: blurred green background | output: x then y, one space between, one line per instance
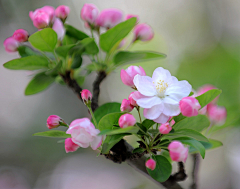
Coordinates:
202 42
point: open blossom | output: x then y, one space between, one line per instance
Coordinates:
189 106
109 18
143 32
70 146
177 151
126 120
217 114
161 94
11 45
84 133
128 75
126 106
59 28
166 127
21 35
89 13
62 12
150 164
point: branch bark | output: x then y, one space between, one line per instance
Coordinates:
196 162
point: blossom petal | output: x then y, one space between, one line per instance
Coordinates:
171 109
144 85
148 102
96 142
160 74
161 119
154 112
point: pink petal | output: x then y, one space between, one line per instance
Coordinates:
96 142
144 85
161 119
148 102
153 112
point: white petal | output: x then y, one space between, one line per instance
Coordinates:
154 112
96 142
160 74
161 119
171 109
169 100
148 102
144 85
83 145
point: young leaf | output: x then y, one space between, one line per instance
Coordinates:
138 150
186 132
194 143
105 109
163 169
208 97
33 62
77 61
75 33
207 145
63 50
147 123
55 70
44 40
115 34
39 83
53 134
90 46
26 51
178 118
109 120
197 123
131 129
136 56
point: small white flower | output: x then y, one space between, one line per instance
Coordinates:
161 94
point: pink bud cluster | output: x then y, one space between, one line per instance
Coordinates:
166 127
177 151
128 105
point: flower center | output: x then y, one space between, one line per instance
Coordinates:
161 87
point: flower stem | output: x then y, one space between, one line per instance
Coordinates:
93 117
138 110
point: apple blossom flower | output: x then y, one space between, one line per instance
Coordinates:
143 32
86 96
128 75
217 114
20 35
70 146
126 120
177 151
128 16
54 121
109 18
11 45
126 106
84 133
166 127
59 28
161 94
89 14
150 164
62 12
189 106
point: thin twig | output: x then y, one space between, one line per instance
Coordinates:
196 162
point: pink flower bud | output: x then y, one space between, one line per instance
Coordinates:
10 44
86 96
150 164
126 120
217 114
131 99
128 75
20 35
109 18
50 11
128 16
143 32
53 121
189 106
165 128
59 28
177 151
126 106
70 146
40 19
89 13
62 12
84 133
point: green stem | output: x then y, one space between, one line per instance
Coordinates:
138 110
143 142
94 120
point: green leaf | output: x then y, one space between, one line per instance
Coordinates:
163 169
68 40
44 40
90 46
138 150
186 132
207 145
55 70
61 141
194 143
197 123
178 118
53 134
33 62
77 61
60 80
63 50
26 51
108 121
131 129
105 109
115 34
147 123
39 83
75 33
136 56
208 97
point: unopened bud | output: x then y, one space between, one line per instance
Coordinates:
70 146
54 121
177 151
143 32
21 35
189 106
150 164
126 106
126 120
62 12
10 44
86 96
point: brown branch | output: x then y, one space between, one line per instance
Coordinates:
196 162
